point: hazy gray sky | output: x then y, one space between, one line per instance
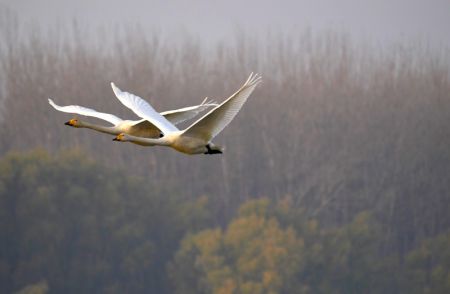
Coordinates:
376 20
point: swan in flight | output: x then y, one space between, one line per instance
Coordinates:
196 139
140 128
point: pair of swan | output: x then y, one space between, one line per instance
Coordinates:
139 128
196 139
158 129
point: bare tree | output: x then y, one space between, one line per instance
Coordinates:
338 126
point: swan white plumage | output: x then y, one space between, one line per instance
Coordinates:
140 128
196 139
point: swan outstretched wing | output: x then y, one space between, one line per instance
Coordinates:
218 118
86 111
144 110
178 116
183 114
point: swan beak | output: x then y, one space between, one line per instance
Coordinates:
72 123
119 137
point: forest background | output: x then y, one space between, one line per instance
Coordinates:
335 177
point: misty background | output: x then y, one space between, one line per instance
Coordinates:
335 176
375 21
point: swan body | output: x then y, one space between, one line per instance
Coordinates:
139 128
196 139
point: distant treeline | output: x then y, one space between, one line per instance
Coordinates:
70 225
336 129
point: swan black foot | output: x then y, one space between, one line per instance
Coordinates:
212 151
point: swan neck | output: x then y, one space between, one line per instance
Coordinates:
148 141
103 129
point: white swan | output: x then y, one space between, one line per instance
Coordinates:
196 139
141 128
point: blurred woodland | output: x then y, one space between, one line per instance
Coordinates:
335 177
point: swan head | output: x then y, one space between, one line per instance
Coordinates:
73 123
121 138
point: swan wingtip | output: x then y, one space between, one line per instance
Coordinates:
50 101
115 89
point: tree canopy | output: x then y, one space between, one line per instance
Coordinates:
68 224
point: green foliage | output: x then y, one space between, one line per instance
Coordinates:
67 221
428 266
345 260
86 229
257 254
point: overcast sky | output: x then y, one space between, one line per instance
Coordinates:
376 20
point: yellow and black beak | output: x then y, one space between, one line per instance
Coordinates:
72 123
118 137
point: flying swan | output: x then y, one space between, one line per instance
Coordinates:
196 139
140 128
